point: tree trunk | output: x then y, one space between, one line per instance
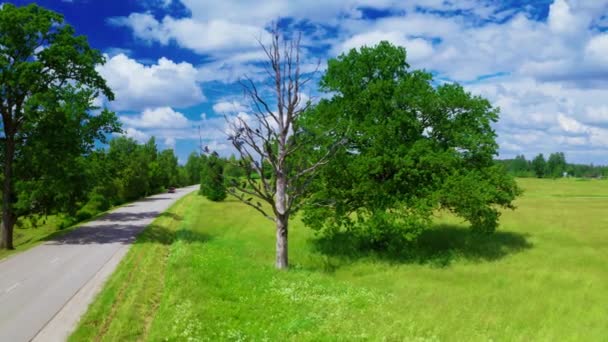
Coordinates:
282 221
282 261
8 218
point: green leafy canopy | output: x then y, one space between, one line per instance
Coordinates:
411 148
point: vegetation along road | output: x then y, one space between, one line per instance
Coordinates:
44 290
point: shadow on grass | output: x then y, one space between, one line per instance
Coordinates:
162 235
439 247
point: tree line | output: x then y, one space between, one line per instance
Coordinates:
554 166
94 182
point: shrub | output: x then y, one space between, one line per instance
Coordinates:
85 213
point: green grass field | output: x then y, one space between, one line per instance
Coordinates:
204 271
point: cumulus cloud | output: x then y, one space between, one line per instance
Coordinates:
229 107
162 117
545 65
417 49
211 36
548 117
138 135
137 86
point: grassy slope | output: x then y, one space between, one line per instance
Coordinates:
205 271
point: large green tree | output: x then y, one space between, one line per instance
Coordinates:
412 147
47 74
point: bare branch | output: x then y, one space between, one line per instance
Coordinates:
256 207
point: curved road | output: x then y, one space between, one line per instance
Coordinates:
45 290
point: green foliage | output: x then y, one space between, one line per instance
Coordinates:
539 165
518 167
48 124
232 169
212 179
554 167
193 168
139 170
556 164
410 149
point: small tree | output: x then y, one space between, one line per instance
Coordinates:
269 141
212 179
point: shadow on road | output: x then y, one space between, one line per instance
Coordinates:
117 227
147 200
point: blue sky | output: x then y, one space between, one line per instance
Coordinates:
174 64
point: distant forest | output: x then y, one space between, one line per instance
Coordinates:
553 167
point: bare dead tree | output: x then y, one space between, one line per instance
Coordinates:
267 140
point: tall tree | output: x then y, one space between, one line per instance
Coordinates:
167 162
519 166
271 139
212 179
411 148
193 168
40 57
539 165
556 164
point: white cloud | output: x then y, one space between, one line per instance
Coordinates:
548 75
229 107
170 142
417 49
562 20
596 50
570 125
137 86
162 117
136 134
211 36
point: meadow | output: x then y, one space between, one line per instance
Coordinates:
204 271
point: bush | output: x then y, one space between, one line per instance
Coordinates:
85 213
97 203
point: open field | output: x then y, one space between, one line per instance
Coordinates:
204 271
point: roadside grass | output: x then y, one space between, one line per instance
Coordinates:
31 232
125 308
205 271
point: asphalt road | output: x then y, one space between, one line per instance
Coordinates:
37 286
